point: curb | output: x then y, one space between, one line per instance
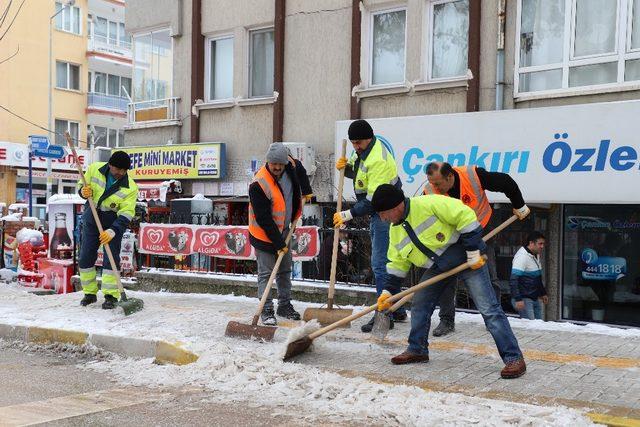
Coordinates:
163 352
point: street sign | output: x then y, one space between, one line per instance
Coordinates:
39 142
52 152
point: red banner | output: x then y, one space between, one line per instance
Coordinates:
219 241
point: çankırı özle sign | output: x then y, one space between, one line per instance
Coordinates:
218 240
181 161
587 153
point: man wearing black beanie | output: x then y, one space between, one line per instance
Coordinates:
439 233
370 166
114 193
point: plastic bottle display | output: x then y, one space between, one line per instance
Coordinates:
60 237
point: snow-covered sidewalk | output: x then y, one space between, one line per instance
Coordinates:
249 371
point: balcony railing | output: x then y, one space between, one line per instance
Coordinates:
109 46
111 102
157 110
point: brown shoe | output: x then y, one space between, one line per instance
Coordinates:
406 357
514 369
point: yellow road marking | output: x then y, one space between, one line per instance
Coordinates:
60 408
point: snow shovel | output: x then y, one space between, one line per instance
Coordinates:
329 315
301 345
265 333
382 321
128 305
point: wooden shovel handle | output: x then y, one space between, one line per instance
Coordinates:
392 298
274 272
94 211
488 236
336 234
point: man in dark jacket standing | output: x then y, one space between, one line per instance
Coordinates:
275 203
527 290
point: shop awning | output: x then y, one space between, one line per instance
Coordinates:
157 190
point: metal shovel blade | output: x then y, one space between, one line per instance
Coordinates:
381 325
297 347
242 330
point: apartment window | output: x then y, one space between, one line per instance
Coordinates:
69 19
99 82
67 76
126 83
152 68
261 54
63 126
219 80
449 39
388 40
100 29
106 137
567 44
113 85
124 38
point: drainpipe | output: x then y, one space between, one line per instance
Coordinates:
197 66
356 32
502 11
278 69
473 93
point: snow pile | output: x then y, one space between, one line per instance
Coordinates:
7 275
29 235
12 217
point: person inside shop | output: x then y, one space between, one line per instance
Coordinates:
527 290
115 194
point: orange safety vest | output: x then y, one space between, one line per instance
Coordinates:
278 208
471 193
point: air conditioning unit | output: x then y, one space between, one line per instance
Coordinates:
305 153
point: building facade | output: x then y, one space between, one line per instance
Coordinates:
248 73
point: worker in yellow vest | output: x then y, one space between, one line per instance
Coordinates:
469 184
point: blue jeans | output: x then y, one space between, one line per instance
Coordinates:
532 308
479 284
379 246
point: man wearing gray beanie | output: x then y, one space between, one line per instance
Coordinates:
275 202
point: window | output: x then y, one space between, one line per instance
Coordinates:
113 87
126 82
449 39
109 84
67 76
124 38
219 80
106 137
388 39
566 44
69 19
261 63
63 126
152 68
99 82
100 29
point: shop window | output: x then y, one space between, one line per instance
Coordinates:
601 267
261 63
449 39
67 76
387 48
567 44
219 71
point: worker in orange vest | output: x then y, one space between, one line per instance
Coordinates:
469 184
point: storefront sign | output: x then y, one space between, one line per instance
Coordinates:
602 267
55 175
182 161
17 155
575 154
219 241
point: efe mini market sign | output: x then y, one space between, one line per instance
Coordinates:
182 161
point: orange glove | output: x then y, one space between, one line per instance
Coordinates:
106 236
86 192
382 301
308 197
474 260
341 163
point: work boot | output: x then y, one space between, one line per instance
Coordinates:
287 311
400 317
88 299
443 329
268 317
514 369
406 357
109 302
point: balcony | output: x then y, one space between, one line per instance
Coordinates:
158 112
107 102
111 48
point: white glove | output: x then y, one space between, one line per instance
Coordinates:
339 218
522 212
474 260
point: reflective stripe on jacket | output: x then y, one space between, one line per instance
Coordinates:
438 222
379 167
119 199
471 193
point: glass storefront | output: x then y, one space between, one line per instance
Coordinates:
601 264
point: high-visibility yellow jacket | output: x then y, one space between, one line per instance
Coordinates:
117 204
374 167
438 222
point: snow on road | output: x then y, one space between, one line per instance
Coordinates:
252 372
